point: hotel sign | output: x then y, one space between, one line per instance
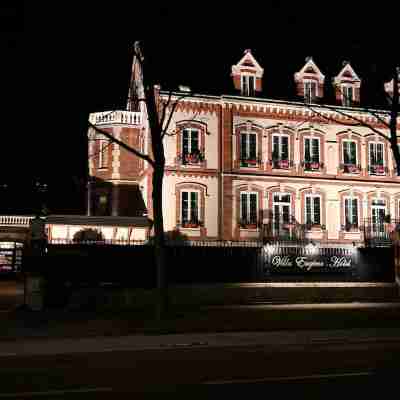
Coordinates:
309 263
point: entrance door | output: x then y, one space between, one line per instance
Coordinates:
281 214
378 215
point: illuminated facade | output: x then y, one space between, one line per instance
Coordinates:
246 167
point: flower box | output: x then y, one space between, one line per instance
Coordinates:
378 169
351 168
250 162
190 225
284 164
314 165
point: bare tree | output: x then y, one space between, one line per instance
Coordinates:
386 118
159 114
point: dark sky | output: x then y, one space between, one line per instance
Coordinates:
62 60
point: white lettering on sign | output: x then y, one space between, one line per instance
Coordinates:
302 263
278 261
337 262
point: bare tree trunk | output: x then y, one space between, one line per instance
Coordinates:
159 242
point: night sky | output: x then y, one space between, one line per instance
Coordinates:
62 60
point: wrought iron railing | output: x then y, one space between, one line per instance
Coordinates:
377 170
250 162
379 231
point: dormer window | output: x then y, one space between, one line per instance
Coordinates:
347 86
310 91
247 75
310 82
248 85
347 95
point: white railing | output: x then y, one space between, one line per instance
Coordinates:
115 117
15 220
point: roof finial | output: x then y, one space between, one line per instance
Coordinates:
345 62
309 58
247 51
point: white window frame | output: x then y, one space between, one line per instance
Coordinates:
248 193
280 135
189 191
343 88
190 138
246 77
349 140
383 152
305 83
103 158
248 133
312 196
319 146
351 198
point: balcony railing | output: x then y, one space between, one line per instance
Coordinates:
377 170
116 117
378 233
15 220
287 229
281 164
350 168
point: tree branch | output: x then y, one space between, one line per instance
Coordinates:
359 121
122 144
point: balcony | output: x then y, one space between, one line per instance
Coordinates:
350 168
281 164
312 166
377 170
378 233
115 117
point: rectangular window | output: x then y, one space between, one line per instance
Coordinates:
248 149
190 146
248 208
103 153
351 213
311 153
248 85
349 152
310 91
347 95
376 162
280 151
190 209
313 210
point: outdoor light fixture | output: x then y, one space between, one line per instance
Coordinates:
269 248
312 248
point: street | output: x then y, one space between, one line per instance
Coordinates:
327 364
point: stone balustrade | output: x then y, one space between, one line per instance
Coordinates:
15 220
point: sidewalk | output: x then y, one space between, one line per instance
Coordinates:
23 325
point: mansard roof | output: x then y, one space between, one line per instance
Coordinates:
211 75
